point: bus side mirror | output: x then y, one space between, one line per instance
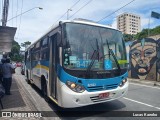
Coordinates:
59 39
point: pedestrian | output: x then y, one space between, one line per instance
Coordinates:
7 69
1 74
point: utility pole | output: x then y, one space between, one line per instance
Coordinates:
5 12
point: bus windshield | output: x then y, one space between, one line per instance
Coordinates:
88 48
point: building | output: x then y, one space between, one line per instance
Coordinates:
129 23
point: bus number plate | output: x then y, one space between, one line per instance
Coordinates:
104 95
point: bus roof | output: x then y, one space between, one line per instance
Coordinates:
87 22
79 20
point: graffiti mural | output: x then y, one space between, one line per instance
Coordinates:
144 59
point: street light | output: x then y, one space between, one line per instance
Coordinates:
25 12
68 13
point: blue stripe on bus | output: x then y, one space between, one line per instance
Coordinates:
44 63
92 84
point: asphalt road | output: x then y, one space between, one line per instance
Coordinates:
140 98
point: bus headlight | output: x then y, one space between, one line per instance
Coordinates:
75 87
123 82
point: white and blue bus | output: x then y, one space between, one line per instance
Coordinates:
78 63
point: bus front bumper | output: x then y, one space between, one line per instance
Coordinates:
72 99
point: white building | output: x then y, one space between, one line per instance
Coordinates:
129 23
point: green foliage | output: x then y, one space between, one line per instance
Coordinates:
15 50
25 44
145 33
155 31
142 34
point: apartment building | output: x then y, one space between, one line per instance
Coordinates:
129 23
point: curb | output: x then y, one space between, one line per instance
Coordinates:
145 82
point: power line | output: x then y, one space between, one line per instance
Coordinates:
17 12
66 12
12 12
20 20
81 8
75 4
115 11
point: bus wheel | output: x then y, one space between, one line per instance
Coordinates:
44 89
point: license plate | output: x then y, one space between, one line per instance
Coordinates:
104 95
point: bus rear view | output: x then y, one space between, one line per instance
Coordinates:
94 65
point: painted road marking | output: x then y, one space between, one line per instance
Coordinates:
141 103
144 85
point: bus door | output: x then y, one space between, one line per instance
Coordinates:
53 65
28 64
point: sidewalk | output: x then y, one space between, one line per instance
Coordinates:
25 99
17 101
145 82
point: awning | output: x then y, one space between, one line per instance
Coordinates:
6 38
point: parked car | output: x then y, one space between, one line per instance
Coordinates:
18 64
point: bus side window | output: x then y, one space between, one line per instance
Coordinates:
45 54
33 56
36 56
45 42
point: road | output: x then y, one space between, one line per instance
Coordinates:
139 98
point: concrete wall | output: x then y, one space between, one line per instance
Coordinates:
144 57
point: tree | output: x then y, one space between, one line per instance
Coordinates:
15 50
25 44
144 33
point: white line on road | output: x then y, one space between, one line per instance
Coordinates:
141 103
144 85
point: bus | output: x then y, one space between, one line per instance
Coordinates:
78 63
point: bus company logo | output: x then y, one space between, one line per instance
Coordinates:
92 85
6 114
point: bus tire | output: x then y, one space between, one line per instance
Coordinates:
44 88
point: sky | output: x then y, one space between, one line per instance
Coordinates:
35 23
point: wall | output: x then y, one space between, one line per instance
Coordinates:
144 58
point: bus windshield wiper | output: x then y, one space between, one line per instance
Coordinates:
114 57
93 60
96 52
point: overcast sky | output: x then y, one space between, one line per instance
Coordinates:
33 24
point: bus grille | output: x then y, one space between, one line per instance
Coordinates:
97 99
106 87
